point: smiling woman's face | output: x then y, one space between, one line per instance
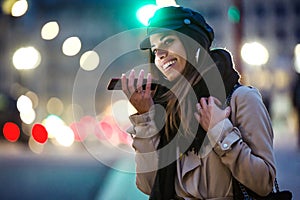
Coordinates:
170 54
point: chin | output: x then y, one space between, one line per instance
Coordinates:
172 78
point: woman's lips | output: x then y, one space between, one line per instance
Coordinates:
169 64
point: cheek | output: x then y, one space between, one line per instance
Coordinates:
182 65
157 63
183 54
182 59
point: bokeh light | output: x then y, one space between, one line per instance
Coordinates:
28 117
122 118
50 30
55 106
71 46
26 58
255 54
35 146
106 130
19 8
24 103
51 123
65 136
11 131
233 14
145 13
89 125
89 60
79 131
7 5
58 131
86 126
25 107
113 132
39 133
33 97
72 111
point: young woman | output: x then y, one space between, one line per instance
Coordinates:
190 141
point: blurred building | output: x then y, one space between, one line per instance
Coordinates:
273 24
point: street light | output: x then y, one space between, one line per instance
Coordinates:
255 54
71 46
50 30
19 8
26 58
144 13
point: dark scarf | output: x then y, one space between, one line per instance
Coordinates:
164 188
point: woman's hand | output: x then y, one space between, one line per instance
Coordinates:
139 98
209 113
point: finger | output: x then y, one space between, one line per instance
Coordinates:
227 111
140 81
211 100
131 78
124 84
198 106
203 102
148 85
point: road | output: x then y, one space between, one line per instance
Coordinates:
28 176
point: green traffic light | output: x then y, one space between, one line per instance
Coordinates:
233 14
145 13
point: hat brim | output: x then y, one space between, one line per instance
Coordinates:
145 43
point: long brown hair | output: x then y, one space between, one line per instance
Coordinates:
174 96
180 97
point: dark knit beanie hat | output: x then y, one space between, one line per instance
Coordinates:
179 19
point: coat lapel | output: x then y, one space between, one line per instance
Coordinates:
189 163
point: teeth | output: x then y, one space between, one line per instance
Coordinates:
165 66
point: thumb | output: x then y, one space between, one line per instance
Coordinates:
227 111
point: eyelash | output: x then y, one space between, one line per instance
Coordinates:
165 43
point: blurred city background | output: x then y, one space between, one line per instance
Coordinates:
62 134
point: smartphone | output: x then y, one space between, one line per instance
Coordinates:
116 84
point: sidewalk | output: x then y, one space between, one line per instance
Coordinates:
287 156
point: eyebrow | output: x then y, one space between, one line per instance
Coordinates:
162 37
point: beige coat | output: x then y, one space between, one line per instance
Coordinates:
242 147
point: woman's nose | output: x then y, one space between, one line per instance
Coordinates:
161 53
